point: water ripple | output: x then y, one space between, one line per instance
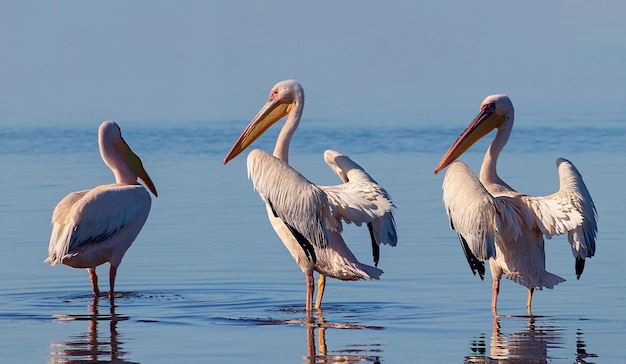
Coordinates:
192 138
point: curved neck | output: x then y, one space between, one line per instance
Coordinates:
121 170
124 175
281 150
488 172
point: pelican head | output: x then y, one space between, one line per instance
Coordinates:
116 153
496 112
283 97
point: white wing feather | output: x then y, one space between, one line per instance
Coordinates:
298 202
92 216
359 185
478 216
357 203
570 210
473 212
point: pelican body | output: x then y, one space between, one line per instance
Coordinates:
92 227
497 223
306 217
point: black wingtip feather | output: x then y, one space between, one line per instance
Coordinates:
304 243
475 264
580 266
375 246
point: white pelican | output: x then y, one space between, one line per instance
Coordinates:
306 217
496 222
95 226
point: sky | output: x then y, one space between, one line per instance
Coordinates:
75 61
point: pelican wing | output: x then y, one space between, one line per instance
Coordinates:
92 216
570 210
382 228
299 203
61 217
362 202
358 203
473 213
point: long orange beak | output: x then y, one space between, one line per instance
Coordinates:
146 179
483 123
134 163
270 113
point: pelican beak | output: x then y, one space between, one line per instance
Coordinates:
134 163
146 179
270 113
483 124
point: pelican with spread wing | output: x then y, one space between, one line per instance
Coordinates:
306 217
495 222
92 227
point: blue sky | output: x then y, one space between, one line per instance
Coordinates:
73 61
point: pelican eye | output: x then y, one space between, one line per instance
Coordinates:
490 107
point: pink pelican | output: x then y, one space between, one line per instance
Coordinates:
496 223
95 226
306 217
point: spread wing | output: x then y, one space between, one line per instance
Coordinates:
570 210
361 200
356 204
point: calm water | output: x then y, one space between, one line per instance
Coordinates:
207 280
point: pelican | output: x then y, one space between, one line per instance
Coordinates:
95 226
495 222
306 217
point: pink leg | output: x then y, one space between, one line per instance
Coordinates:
494 295
309 292
94 281
530 300
112 274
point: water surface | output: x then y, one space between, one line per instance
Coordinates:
208 280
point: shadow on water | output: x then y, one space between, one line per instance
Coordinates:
97 344
533 344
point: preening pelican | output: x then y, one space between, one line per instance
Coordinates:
307 217
95 226
507 227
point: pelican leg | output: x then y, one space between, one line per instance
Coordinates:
494 295
530 300
309 292
93 277
112 274
321 285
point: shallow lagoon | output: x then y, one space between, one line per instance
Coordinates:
207 279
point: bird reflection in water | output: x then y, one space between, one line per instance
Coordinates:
90 347
528 346
369 353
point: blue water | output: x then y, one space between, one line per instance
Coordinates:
207 280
